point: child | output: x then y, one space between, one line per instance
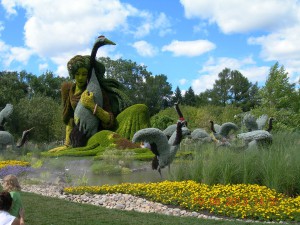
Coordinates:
11 184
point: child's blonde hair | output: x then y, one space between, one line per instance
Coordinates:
11 183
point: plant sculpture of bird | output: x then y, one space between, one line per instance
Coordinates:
172 128
4 114
25 137
83 117
222 132
200 135
163 149
256 136
271 119
254 124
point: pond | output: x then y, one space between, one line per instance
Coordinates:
77 171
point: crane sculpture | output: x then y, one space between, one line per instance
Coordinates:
163 149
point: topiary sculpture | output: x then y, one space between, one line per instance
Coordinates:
254 124
6 139
163 149
4 114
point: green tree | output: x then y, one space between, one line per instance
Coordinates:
220 93
189 97
44 114
177 96
13 87
278 92
140 85
157 94
203 98
129 74
47 85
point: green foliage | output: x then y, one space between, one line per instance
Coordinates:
140 86
177 98
278 92
199 117
13 87
161 122
277 166
42 113
132 119
46 85
96 145
284 119
189 97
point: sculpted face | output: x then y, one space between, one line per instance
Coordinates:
81 77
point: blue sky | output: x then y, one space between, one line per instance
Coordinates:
189 41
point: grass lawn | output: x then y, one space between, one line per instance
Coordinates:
41 210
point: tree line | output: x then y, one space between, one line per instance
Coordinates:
37 99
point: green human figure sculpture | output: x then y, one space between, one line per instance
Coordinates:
93 103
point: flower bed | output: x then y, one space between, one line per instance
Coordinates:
238 201
14 167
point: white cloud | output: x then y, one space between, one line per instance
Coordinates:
282 46
9 6
212 67
183 81
150 23
243 16
43 66
189 48
144 48
18 54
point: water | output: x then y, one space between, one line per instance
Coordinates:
77 171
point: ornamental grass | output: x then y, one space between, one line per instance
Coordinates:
238 201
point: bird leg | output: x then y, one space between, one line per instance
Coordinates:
159 170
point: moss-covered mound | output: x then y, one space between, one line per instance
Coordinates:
98 143
132 119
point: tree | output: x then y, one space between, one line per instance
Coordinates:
278 92
239 90
220 93
157 94
42 113
177 96
140 85
47 85
12 87
189 97
129 74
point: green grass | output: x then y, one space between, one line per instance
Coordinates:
276 166
41 210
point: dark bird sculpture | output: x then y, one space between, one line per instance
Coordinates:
270 127
25 137
163 149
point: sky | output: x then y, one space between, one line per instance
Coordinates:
189 41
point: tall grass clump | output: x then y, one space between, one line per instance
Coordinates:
280 164
276 166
